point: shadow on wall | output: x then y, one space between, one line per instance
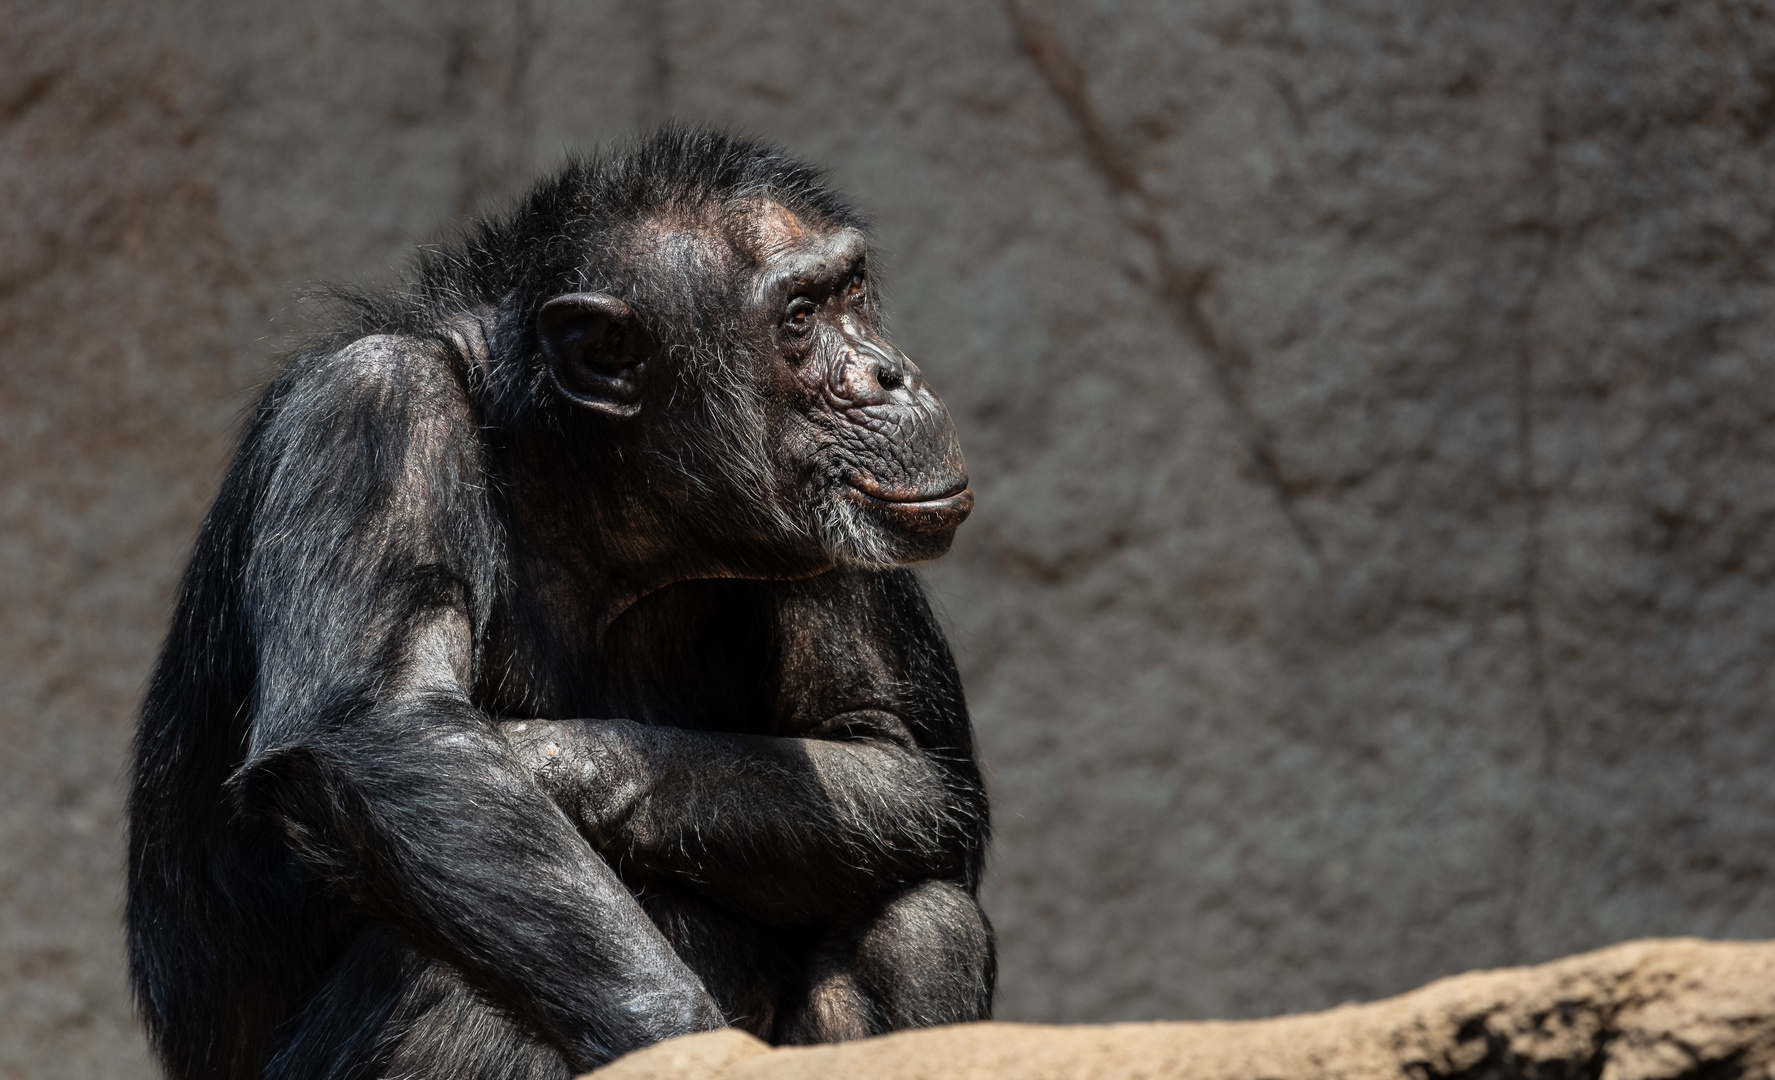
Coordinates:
1372 574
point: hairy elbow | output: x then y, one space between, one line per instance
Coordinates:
301 792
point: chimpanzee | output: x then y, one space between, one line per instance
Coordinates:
544 681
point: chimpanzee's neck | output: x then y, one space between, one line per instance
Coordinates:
590 548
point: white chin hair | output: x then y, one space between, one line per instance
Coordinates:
850 538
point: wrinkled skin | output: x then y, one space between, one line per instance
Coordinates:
880 448
548 651
863 459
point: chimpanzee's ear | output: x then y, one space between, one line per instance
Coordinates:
594 351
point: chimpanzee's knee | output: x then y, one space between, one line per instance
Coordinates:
927 958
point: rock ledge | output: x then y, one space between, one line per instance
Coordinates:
1647 1010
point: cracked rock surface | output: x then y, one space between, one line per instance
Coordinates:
1369 405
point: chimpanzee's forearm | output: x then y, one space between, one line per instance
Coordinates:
786 829
510 895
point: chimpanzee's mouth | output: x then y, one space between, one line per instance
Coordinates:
922 510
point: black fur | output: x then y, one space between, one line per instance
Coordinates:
370 834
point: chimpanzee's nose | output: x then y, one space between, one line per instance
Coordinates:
875 373
893 370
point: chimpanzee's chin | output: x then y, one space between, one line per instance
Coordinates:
860 529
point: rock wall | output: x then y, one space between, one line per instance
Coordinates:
1369 403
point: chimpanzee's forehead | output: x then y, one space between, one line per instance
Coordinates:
759 246
765 231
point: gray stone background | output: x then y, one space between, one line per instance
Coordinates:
1369 402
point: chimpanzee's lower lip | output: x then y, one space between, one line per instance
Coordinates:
868 487
944 512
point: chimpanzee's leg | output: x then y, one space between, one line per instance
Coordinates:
443 1029
386 1011
746 966
926 957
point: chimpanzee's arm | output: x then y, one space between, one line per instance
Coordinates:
369 563
877 788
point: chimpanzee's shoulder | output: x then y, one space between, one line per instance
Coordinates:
389 368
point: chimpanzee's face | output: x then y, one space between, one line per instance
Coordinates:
801 439
867 451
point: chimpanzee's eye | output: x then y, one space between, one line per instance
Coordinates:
855 286
799 315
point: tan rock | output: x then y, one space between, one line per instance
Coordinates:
1642 1011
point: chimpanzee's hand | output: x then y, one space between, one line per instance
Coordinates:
593 769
